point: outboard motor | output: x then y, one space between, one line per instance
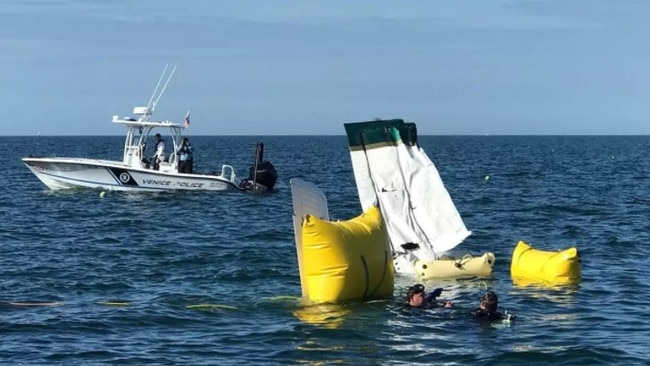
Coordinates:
262 176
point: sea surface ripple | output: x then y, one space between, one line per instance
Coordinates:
205 278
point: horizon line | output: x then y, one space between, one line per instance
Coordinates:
343 135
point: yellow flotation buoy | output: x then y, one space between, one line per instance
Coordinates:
467 266
346 260
545 266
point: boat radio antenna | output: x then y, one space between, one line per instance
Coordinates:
155 97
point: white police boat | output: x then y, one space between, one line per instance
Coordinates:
135 173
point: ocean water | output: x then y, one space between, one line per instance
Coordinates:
207 279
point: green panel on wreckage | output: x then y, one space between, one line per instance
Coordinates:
378 133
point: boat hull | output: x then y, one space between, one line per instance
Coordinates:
66 173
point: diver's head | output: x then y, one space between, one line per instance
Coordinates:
489 301
415 295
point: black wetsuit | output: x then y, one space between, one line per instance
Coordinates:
483 314
430 301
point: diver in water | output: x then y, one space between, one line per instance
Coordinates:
416 297
487 309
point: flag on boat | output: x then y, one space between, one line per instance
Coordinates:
186 123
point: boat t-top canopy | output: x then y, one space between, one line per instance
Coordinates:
127 121
141 119
138 128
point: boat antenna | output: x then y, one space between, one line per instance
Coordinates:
155 97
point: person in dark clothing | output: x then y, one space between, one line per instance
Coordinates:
159 152
417 297
185 158
487 309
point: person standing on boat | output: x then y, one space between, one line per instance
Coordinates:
159 152
185 159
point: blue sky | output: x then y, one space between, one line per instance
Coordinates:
305 67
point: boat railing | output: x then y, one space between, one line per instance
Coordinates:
225 169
